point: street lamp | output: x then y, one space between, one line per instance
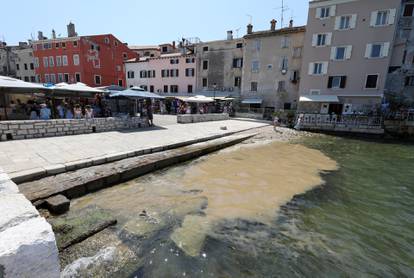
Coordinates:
214 98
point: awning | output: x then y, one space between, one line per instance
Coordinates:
252 101
17 85
319 98
135 94
77 87
199 99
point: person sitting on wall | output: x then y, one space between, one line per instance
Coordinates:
45 112
77 111
88 112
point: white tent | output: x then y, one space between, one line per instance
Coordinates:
78 87
199 99
13 84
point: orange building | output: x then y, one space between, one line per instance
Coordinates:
96 60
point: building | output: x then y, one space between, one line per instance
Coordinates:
219 66
400 81
94 60
347 54
172 73
271 70
146 50
24 61
7 60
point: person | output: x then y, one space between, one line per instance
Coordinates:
61 110
45 112
150 114
33 115
68 112
77 111
88 112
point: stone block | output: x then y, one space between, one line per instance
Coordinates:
58 204
27 175
18 210
55 169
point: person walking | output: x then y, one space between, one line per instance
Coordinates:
150 113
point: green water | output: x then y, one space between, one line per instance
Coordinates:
360 223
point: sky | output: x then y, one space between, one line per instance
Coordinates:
140 22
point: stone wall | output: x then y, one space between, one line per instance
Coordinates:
13 130
198 118
400 128
28 246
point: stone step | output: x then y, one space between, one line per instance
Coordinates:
80 182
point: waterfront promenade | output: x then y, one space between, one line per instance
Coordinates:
23 157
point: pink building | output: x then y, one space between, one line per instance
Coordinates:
172 73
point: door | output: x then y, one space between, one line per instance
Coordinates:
336 108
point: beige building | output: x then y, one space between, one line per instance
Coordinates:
219 66
272 63
25 65
347 52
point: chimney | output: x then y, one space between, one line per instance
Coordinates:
291 23
229 35
173 44
249 29
273 25
71 30
53 34
40 35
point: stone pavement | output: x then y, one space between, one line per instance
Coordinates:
57 153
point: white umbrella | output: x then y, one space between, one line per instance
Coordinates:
17 84
199 99
77 87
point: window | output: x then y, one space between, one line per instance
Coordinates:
190 89
297 52
143 74
75 43
255 66
174 73
285 42
115 43
77 77
371 82
53 78
238 63
284 63
174 61
32 66
131 74
408 10
63 45
26 78
124 55
98 80
47 80
340 53
409 81
253 86
25 66
318 68
205 48
120 83
294 77
190 60
36 62
51 61
64 60
32 79
377 50
382 18
58 61
66 75
336 82
321 41
57 45
165 73
106 40
189 72
76 59
17 66
205 65
174 89
237 82
239 45
257 45
324 12
165 88
281 86
151 88
345 22
205 84
60 77
45 62
164 49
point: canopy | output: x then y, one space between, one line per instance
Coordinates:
252 101
135 94
319 98
199 99
77 87
12 84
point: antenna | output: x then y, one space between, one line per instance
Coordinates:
250 18
282 9
237 32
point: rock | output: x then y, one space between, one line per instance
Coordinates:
78 226
223 128
58 204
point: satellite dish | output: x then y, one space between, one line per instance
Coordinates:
284 71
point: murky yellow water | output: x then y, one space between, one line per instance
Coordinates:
241 183
250 183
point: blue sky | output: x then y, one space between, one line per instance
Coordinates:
140 22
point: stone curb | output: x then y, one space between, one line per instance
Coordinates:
38 173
